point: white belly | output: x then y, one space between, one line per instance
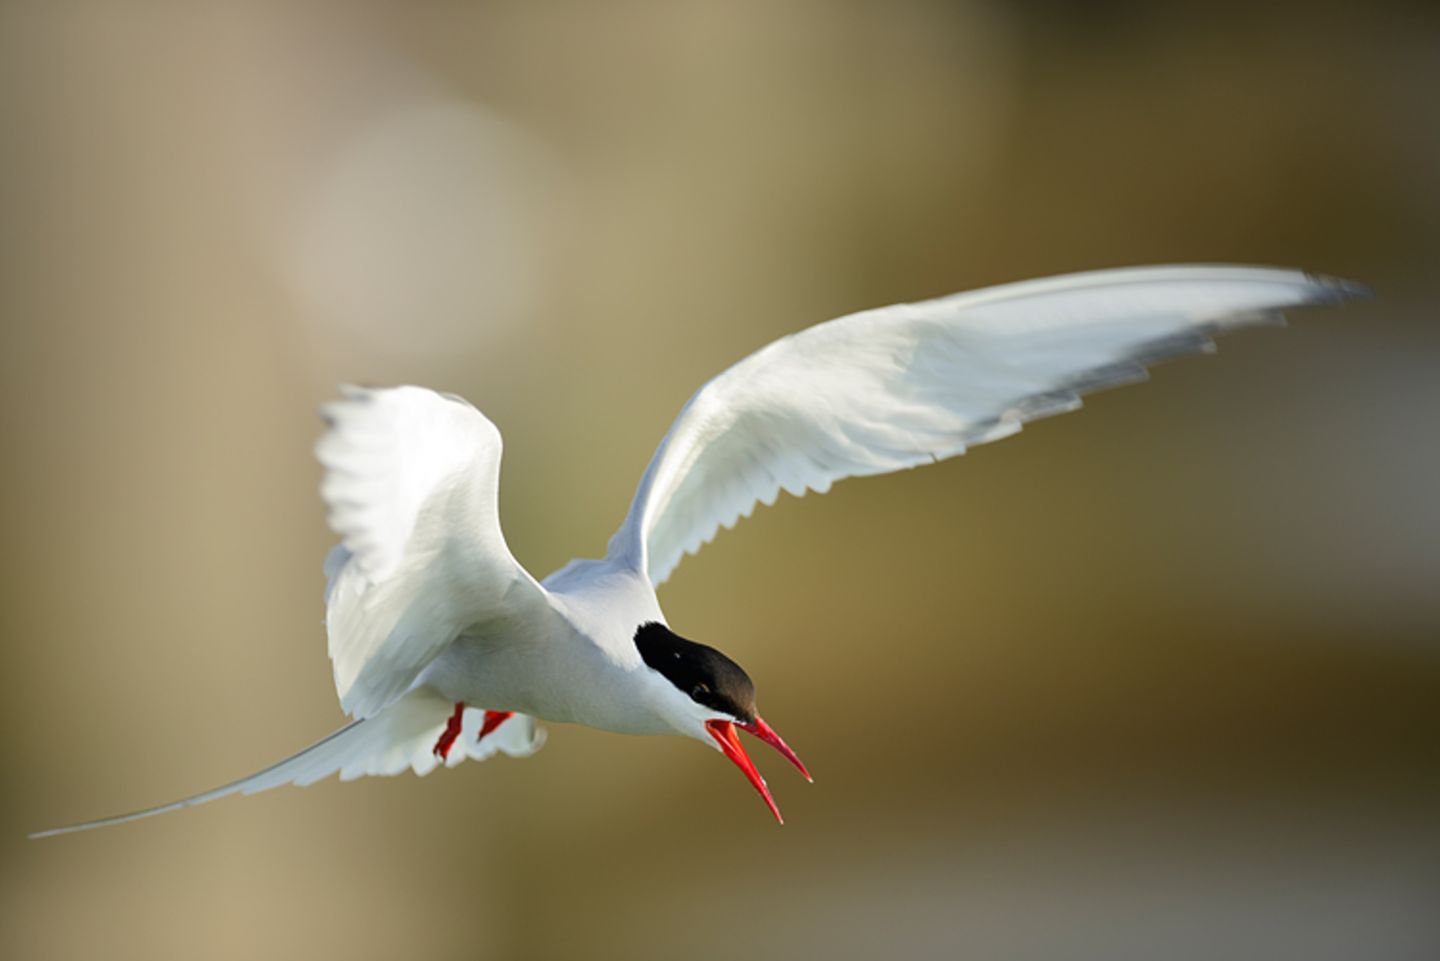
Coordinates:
559 671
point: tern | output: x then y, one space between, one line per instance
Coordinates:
445 647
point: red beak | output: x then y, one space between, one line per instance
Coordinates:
724 734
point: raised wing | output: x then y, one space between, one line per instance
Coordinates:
411 481
916 383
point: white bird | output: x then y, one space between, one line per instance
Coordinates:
444 647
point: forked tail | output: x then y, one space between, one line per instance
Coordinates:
400 738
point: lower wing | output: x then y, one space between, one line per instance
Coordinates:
400 738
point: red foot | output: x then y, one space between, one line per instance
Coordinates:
451 732
493 719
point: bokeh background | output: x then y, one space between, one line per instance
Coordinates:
1155 680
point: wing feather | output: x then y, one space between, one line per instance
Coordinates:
411 482
913 384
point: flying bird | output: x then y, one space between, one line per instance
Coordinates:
444 647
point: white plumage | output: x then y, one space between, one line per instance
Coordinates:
412 482
426 607
905 385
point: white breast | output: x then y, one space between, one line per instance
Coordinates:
579 666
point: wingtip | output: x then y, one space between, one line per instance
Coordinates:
114 820
1339 288
76 828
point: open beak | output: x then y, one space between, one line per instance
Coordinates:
724 734
767 734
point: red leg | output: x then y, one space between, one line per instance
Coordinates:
451 732
493 719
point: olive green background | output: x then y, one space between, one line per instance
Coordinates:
1154 680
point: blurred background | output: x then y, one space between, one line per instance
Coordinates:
1155 680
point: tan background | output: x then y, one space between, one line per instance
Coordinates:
1157 680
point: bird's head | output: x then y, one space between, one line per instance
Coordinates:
713 696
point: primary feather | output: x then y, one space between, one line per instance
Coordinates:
399 739
911 384
412 483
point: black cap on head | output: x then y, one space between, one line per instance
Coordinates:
701 673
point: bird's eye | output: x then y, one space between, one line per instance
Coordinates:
699 691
